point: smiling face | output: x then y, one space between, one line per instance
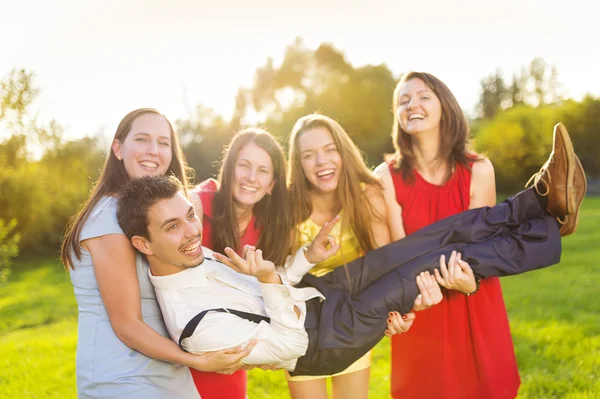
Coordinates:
175 234
147 148
320 159
419 109
252 176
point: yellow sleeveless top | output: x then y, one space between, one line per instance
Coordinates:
349 250
349 245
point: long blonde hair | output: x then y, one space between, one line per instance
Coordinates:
349 190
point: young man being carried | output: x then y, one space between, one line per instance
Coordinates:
333 320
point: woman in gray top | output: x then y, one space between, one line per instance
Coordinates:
123 350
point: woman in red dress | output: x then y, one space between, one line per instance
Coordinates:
463 343
237 211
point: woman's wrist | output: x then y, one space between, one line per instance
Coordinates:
473 291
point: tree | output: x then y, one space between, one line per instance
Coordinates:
494 95
322 80
41 192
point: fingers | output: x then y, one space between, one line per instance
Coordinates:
431 293
424 281
241 351
245 250
332 250
465 267
409 317
452 268
398 324
258 258
251 260
325 230
442 275
225 260
237 261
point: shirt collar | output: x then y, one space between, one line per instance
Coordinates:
187 278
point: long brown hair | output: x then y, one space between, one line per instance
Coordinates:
271 212
349 190
455 139
111 179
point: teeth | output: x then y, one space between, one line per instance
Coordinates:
149 164
248 188
416 116
326 172
191 248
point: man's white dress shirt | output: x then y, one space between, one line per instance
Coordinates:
213 285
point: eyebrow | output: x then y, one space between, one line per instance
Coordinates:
325 146
171 220
148 134
250 162
419 92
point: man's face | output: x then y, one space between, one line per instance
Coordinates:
175 233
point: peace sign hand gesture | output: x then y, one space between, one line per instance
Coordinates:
324 245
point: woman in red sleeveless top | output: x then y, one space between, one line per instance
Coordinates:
461 348
238 211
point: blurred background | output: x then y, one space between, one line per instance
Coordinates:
70 70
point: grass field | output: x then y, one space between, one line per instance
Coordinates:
554 315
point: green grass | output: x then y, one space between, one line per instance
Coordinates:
554 315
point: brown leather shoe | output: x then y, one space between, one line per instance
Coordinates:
555 178
569 222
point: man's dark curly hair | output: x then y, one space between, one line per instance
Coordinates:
137 196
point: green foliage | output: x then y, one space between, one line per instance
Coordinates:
9 246
40 192
322 80
519 139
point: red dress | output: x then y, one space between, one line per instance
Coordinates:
215 385
462 347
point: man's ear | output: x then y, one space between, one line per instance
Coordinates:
142 244
116 148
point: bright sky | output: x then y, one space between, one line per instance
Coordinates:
97 60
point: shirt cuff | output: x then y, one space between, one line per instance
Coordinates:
298 266
276 295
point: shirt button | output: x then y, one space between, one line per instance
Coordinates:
286 294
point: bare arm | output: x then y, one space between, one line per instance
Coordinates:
458 274
379 216
483 184
394 210
114 266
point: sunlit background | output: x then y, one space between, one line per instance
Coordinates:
71 69
95 61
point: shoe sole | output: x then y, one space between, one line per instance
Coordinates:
560 129
578 204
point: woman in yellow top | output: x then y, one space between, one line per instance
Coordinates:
330 183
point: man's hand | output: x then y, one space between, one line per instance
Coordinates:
457 276
226 361
430 292
323 246
253 265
